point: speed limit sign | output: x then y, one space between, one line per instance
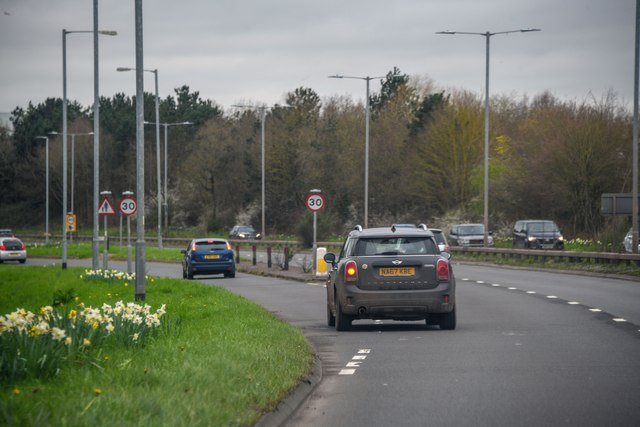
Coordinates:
128 206
315 202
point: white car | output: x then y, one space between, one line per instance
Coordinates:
627 242
12 249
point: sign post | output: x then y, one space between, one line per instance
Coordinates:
128 207
314 203
106 209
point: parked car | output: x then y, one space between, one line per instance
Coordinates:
628 241
469 235
394 273
12 249
441 240
208 256
244 232
537 234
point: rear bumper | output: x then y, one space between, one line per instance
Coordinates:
397 304
212 268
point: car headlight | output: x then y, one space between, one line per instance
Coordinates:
560 238
531 238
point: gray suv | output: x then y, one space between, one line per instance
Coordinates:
395 273
537 234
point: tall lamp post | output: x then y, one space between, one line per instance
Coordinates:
46 198
96 152
366 143
159 191
166 194
487 35
263 117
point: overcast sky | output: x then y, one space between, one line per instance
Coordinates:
255 51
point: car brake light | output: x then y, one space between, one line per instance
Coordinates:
442 270
193 247
23 246
228 246
3 248
351 271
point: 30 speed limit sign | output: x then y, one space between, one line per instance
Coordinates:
128 206
315 202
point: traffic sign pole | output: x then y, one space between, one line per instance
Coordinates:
314 203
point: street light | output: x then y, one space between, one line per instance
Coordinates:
96 125
487 36
159 195
166 194
366 144
46 225
263 116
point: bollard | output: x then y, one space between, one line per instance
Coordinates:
237 254
268 256
286 258
253 254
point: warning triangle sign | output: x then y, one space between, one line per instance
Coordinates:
106 208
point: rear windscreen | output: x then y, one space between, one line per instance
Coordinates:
210 246
396 246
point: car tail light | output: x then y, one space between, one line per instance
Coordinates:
23 247
442 270
228 246
351 271
193 247
3 248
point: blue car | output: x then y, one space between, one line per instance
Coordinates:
208 256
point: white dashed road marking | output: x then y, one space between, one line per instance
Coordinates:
355 362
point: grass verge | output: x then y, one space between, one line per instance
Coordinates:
229 362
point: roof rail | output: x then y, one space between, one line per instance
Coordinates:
423 226
358 227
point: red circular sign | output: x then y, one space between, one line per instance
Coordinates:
315 202
128 206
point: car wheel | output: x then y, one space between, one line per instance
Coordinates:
230 274
22 261
343 321
331 319
189 275
447 321
184 273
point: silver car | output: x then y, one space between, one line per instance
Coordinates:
12 249
469 235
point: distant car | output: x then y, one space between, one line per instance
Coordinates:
208 256
12 249
469 235
440 239
6 232
244 232
394 273
628 241
537 234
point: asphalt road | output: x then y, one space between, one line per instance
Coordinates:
531 349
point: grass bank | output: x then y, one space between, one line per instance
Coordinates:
225 360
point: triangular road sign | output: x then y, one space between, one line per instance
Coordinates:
106 208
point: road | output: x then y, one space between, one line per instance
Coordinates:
531 349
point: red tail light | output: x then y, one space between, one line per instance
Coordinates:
193 247
442 270
351 271
228 246
3 248
23 246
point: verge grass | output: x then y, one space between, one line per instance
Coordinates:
223 361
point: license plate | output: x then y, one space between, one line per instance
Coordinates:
397 271
14 253
211 256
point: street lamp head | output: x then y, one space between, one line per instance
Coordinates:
336 76
108 33
526 30
124 69
446 32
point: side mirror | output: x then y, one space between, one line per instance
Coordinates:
330 258
183 251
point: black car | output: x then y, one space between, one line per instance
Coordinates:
537 234
208 256
244 232
395 273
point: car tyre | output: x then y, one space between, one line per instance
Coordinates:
22 261
230 274
447 321
189 275
331 319
343 321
